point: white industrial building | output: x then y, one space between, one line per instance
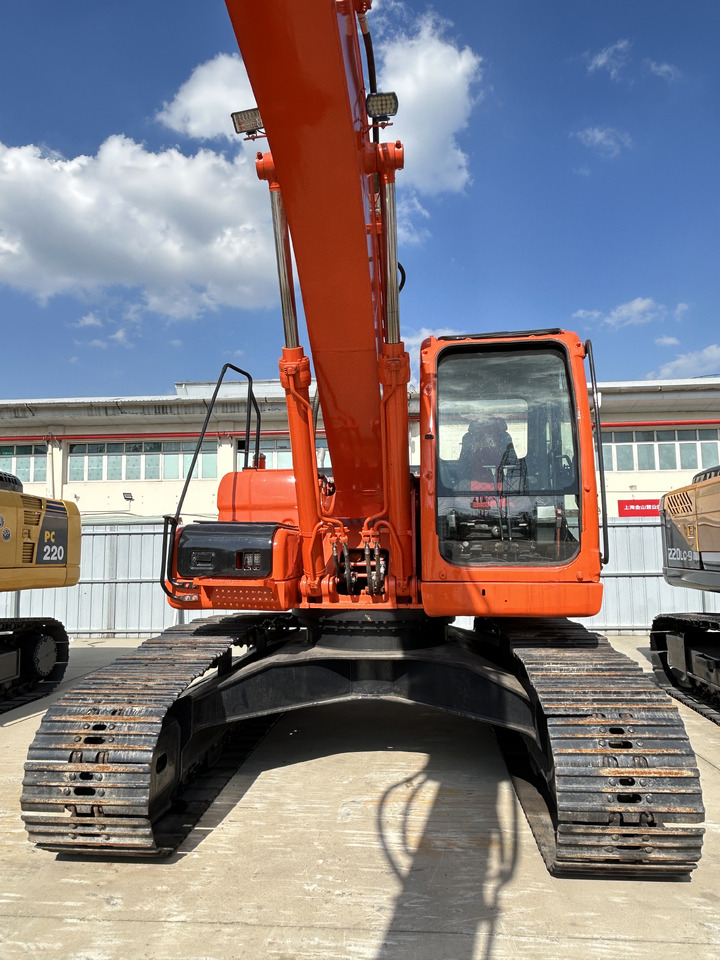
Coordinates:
123 460
126 457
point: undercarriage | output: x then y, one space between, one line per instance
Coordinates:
685 649
602 763
33 659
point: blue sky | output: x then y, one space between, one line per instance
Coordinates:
561 171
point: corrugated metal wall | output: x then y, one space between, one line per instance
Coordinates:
119 594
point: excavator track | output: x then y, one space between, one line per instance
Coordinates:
98 780
619 773
43 645
708 705
617 776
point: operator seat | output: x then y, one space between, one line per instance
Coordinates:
487 450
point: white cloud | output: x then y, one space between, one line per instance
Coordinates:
410 214
667 342
189 232
89 320
120 337
638 311
606 141
616 57
591 315
436 83
413 340
201 108
666 71
181 235
612 58
435 80
699 363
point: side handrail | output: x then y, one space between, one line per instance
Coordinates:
605 556
172 521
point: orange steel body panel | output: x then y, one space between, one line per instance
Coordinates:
304 65
258 495
540 597
279 591
565 590
269 496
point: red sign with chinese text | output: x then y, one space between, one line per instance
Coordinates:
638 508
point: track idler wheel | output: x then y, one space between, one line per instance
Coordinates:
38 657
43 656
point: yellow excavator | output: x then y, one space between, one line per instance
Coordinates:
39 547
686 646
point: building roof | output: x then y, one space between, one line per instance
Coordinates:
188 405
631 401
696 397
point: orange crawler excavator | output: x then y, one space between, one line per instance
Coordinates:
352 581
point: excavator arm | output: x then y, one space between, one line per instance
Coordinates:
324 163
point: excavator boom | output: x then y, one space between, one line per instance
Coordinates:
324 161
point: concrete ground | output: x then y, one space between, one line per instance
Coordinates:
361 831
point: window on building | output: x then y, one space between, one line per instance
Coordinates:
708 455
667 456
688 456
26 461
624 456
322 455
140 460
685 449
646 456
607 450
278 455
